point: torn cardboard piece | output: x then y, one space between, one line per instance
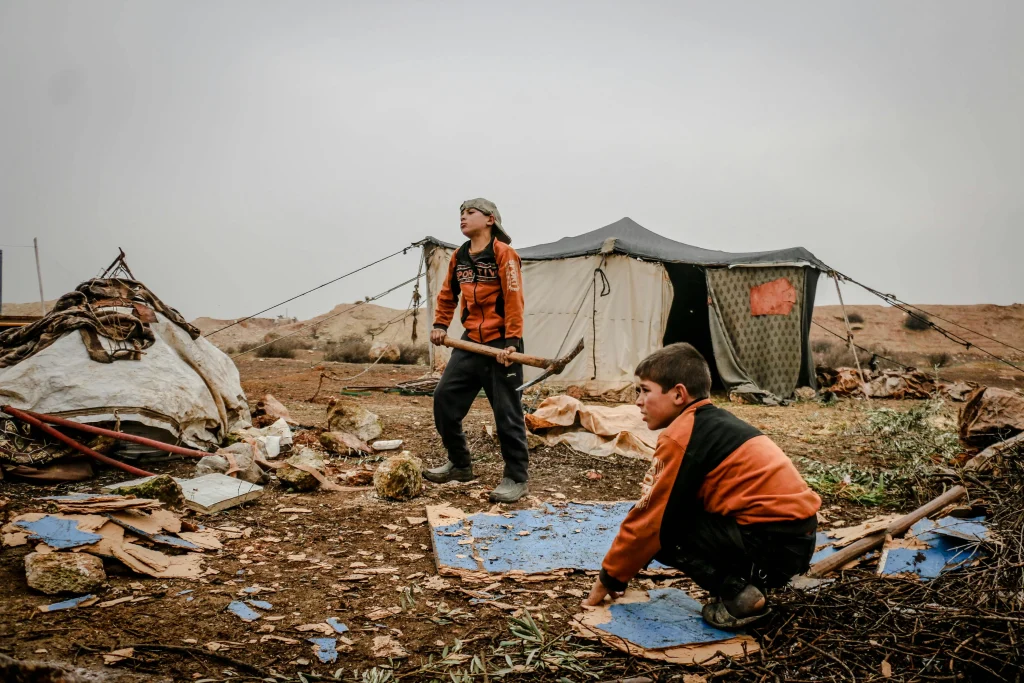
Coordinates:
533 545
663 624
210 492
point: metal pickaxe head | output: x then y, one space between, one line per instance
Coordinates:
556 366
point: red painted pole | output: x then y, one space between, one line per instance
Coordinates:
159 445
21 415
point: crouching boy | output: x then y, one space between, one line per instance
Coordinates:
721 501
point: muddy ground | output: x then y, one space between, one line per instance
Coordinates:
303 560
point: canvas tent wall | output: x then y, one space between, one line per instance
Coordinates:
627 291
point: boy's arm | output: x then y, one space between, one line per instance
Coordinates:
511 276
447 298
639 537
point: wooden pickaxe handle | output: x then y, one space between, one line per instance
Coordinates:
484 350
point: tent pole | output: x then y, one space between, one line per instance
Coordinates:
849 340
39 275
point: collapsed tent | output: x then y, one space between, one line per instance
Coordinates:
111 351
628 291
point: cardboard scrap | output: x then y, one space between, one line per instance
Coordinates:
325 649
57 531
118 655
846 535
95 502
932 548
386 646
663 624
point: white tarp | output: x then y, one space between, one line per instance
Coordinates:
619 329
188 387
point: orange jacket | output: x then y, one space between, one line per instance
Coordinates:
707 458
491 287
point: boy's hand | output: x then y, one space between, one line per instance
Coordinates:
503 356
437 336
598 592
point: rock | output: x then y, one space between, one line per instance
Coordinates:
272 407
299 480
242 453
391 445
533 441
161 487
54 573
399 477
358 477
5 509
805 393
349 416
387 353
343 443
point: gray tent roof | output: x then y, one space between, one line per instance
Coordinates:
633 239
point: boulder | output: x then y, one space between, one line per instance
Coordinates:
533 441
54 573
242 453
161 487
386 353
343 443
399 477
298 479
272 407
358 477
349 416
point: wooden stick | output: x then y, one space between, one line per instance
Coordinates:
484 350
897 528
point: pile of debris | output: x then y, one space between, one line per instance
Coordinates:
77 532
111 353
894 384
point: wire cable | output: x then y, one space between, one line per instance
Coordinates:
330 317
308 291
906 308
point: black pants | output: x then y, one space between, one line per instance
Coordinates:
462 380
722 556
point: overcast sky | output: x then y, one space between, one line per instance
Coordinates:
241 152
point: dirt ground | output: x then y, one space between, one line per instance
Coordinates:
302 561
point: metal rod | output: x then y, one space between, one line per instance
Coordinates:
39 274
67 440
159 445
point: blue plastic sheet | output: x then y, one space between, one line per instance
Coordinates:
59 532
576 536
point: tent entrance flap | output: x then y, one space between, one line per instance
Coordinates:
688 317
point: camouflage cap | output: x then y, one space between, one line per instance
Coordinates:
486 206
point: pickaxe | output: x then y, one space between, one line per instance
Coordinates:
550 366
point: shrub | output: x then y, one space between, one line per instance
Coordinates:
413 354
839 356
916 322
284 348
939 359
855 318
243 347
348 350
821 345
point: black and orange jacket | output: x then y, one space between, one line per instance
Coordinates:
707 458
491 290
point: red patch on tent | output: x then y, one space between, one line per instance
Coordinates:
772 298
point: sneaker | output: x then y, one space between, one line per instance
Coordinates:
746 609
448 472
508 491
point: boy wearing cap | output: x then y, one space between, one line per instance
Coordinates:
486 273
721 501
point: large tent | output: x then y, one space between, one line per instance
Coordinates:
628 291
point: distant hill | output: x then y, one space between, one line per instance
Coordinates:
344 320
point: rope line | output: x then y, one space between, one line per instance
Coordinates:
308 291
906 308
331 317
